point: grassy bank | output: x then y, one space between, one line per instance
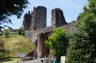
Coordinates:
13 45
14 60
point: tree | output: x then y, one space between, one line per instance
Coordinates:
11 7
58 43
80 49
7 33
21 31
83 43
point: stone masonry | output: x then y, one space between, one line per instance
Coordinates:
27 21
36 30
35 24
58 18
38 18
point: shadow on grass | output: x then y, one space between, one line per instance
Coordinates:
7 59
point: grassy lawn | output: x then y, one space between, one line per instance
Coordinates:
11 61
14 45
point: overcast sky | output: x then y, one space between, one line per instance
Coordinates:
71 9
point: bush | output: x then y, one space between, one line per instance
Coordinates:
58 43
7 33
21 31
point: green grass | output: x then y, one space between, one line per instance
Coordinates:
15 44
11 61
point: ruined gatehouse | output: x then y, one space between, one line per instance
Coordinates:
37 31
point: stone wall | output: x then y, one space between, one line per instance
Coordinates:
27 21
38 18
38 33
34 22
58 18
42 49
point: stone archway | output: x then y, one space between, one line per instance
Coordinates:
42 49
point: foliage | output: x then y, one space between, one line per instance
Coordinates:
80 50
58 42
21 31
4 54
83 43
11 7
7 33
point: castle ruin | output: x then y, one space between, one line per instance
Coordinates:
37 31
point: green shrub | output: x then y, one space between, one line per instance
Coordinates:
58 43
21 31
7 33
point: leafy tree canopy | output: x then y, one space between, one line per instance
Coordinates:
58 43
83 42
11 7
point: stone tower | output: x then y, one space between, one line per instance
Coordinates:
27 21
39 18
58 18
34 22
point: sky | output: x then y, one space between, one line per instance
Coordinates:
70 8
